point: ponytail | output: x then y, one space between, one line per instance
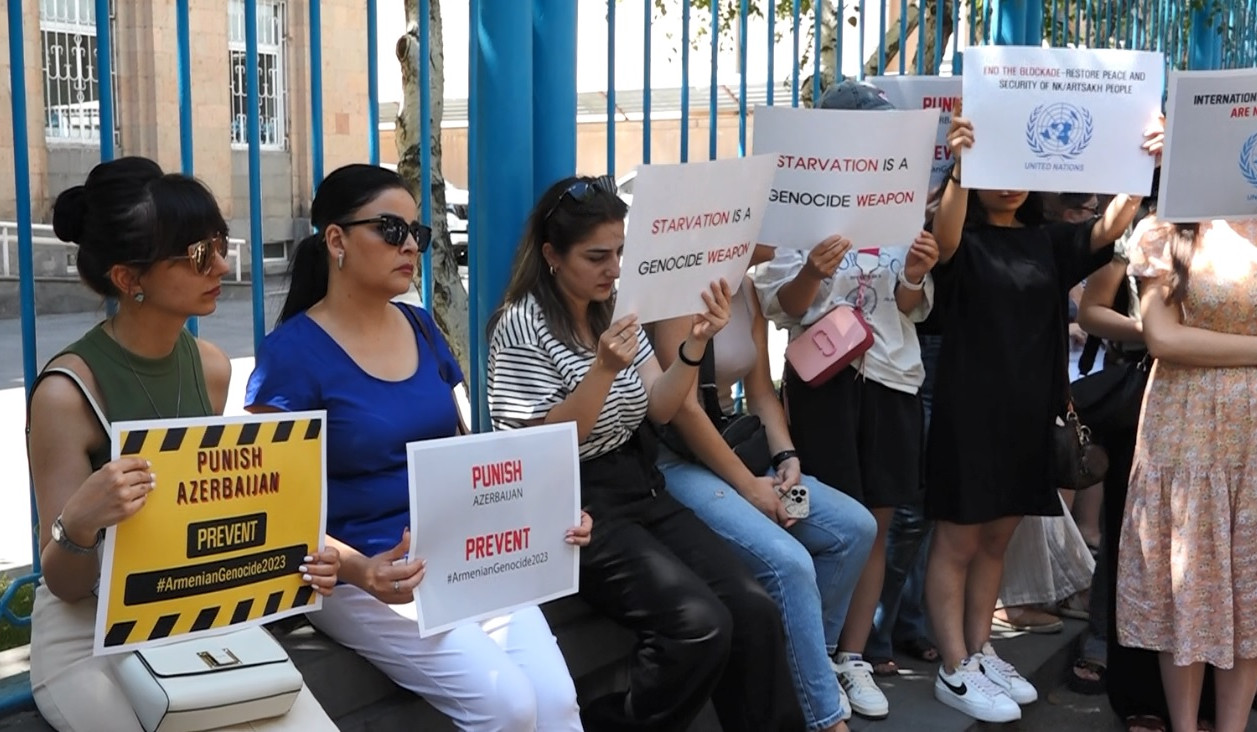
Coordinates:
307 276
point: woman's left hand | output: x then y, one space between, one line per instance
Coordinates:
922 256
579 535
708 324
789 474
1154 137
321 570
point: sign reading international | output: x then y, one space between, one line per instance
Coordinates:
239 503
489 514
1209 167
1053 119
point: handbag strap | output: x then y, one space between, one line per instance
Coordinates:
708 390
426 333
87 394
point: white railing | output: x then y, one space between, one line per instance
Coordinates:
42 235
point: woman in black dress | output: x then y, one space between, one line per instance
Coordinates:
1003 278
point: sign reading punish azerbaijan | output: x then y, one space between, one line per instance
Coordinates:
239 503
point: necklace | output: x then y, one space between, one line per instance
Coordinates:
126 354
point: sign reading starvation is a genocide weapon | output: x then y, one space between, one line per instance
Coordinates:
238 504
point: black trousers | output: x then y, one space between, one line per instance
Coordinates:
705 627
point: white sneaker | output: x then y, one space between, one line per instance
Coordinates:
1003 675
970 691
844 703
855 676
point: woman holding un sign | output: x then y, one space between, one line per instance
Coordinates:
704 625
384 374
156 243
1003 279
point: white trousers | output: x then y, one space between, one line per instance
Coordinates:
504 674
1047 561
78 692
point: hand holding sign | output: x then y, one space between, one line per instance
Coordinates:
580 535
1154 137
708 323
959 137
823 260
390 576
109 496
922 256
321 570
617 347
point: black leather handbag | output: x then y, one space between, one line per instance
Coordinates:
1109 401
1077 462
744 433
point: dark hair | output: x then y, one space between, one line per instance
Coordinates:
1183 243
129 212
343 191
570 223
1029 214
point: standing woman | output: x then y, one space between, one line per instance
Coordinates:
704 626
1187 567
384 374
1004 278
156 243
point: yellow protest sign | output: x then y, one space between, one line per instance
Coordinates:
239 503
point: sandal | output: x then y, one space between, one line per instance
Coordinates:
921 649
1145 722
1075 606
1079 684
1027 620
884 666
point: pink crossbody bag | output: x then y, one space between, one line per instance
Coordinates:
830 344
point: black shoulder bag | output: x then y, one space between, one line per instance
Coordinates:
1110 399
744 433
1077 462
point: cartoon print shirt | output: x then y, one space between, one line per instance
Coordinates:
865 279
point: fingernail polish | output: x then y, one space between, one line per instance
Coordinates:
303 569
308 559
307 578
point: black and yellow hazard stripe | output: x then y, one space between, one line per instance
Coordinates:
251 608
170 439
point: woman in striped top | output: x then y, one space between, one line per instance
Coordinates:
704 626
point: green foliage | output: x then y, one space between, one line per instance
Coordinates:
23 601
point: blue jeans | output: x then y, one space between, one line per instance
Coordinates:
810 569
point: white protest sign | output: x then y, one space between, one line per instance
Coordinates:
1209 167
926 92
862 174
1065 120
691 224
489 512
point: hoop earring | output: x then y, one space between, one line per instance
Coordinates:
340 259
138 297
552 270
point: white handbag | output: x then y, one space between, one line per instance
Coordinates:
209 682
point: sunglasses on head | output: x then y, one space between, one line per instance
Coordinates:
200 253
394 230
583 191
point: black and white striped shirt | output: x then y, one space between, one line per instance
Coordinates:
530 372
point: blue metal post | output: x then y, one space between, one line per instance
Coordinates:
772 54
373 84
1010 22
183 60
104 75
316 92
685 81
611 87
554 92
257 276
1205 43
502 72
711 94
794 60
817 24
475 378
742 13
1032 32
425 141
646 83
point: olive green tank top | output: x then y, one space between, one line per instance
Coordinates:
133 387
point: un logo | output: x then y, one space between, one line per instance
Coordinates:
1058 130
1248 160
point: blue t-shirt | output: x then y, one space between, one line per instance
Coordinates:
369 421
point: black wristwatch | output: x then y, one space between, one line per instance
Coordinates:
783 456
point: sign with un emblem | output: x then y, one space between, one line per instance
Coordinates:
1209 169
1053 119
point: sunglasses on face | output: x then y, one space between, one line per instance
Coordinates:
583 191
200 253
394 230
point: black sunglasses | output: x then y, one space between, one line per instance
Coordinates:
200 253
394 230
583 191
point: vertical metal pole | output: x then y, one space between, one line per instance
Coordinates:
1205 43
1032 31
554 32
503 73
104 75
742 13
183 60
795 59
1010 27
373 84
475 379
903 35
257 277
316 92
685 81
649 8
772 54
611 87
711 92
838 44
425 141
881 36
817 24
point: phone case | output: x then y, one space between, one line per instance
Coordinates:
797 503
829 345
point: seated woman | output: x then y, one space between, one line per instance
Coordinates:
384 374
811 566
704 626
156 243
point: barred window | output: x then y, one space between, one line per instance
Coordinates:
272 87
71 81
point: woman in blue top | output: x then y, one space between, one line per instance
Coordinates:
384 374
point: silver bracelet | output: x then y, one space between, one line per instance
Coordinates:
903 280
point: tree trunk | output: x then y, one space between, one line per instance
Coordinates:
829 57
449 297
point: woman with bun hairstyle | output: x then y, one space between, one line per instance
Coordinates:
156 243
384 374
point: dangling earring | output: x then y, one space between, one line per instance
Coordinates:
138 297
340 259
552 270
